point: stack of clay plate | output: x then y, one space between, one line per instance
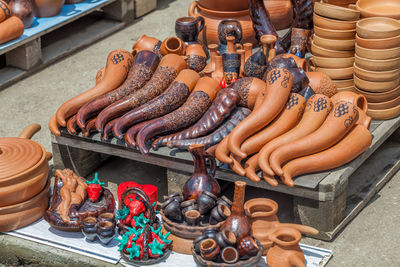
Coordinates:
377 65
333 43
342 3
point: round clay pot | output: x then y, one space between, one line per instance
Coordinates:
219 214
209 249
47 8
376 76
376 86
224 5
225 201
192 217
229 255
384 114
24 10
378 28
336 12
333 44
197 241
385 105
105 231
354 98
329 62
323 52
247 246
106 217
225 238
206 202
212 18
89 228
173 45
344 83
172 210
188 205
334 24
146 43
373 8
379 97
377 64
378 53
384 43
335 34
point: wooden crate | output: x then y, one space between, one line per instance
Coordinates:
326 200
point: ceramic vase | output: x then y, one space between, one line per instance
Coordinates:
24 10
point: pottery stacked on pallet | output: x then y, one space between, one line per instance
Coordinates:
333 43
377 65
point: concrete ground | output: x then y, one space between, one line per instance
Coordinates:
371 239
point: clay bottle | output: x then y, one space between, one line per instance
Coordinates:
238 223
218 72
285 251
24 10
201 180
211 65
230 42
268 41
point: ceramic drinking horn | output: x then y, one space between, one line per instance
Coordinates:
24 10
215 136
206 202
285 121
225 238
347 149
90 127
196 105
354 98
11 29
277 92
209 249
173 45
247 246
299 39
172 98
5 11
117 67
219 214
196 58
108 129
72 127
143 67
316 110
166 72
285 251
339 122
147 43
229 255
171 209
130 136
321 83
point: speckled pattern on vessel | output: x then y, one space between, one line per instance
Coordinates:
157 49
196 63
254 70
242 86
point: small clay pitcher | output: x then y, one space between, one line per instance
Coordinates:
192 217
172 210
187 28
147 43
208 70
173 45
105 231
229 27
225 238
299 39
24 10
229 255
5 11
106 217
206 202
47 8
219 214
218 72
285 251
201 180
247 247
89 228
196 58
209 249
231 63
225 201
188 205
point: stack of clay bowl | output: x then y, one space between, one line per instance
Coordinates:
377 65
24 183
333 43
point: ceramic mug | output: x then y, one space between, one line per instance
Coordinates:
188 28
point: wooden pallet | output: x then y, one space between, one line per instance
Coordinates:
77 26
326 200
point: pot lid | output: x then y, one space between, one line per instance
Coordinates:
18 155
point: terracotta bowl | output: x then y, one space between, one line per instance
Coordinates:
383 43
385 105
343 3
333 44
334 24
344 83
377 64
378 53
384 114
330 62
378 28
335 34
24 213
379 97
379 8
339 73
323 52
375 86
336 12
376 76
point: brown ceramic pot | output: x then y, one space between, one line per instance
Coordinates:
24 10
285 251
187 28
196 58
147 43
209 249
173 45
11 29
212 18
5 11
48 8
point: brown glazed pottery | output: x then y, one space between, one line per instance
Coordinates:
47 8
201 180
376 86
299 41
285 251
335 34
219 214
209 35
382 43
11 29
231 63
330 62
334 24
378 53
376 76
378 28
188 28
384 114
336 12
225 238
238 223
24 10
173 45
262 214
146 43
373 8
324 52
247 246
206 202
229 255
209 249
192 217
196 58
341 45
377 64
23 167
5 11
379 97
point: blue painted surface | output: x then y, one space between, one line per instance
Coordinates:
67 12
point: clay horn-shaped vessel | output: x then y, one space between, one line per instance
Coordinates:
147 43
196 58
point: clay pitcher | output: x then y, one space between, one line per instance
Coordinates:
238 223
285 251
201 180
24 10
47 8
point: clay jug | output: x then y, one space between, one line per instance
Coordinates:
285 251
229 35
47 8
187 28
211 65
24 10
238 223
173 45
262 215
201 180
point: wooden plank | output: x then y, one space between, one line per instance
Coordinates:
142 7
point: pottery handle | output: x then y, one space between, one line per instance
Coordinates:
191 10
301 228
49 156
239 46
213 164
29 131
201 20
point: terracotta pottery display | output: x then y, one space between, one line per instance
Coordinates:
329 62
374 8
262 214
212 18
173 45
377 64
388 53
376 86
11 29
47 8
147 43
376 76
285 251
24 10
378 28
335 34
334 24
382 43
341 45
201 180
379 97
23 167
336 12
196 58
323 52
5 11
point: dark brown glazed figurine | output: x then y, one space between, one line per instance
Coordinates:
238 223
48 8
201 180
24 10
228 27
231 65
298 44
